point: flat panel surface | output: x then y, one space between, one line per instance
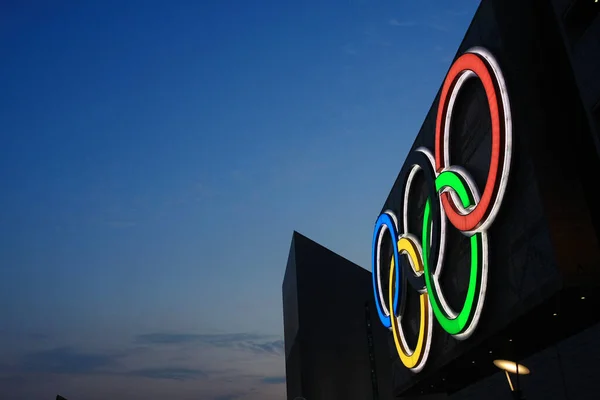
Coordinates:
333 357
540 243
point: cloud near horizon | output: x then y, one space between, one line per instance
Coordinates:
66 360
395 22
171 373
227 397
255 343
273 380
162 361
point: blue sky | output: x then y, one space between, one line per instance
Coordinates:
155 159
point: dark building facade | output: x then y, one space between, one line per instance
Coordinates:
334 346
504 172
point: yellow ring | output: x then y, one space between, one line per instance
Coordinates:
410 358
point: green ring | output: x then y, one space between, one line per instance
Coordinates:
454 326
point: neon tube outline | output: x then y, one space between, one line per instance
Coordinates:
476 59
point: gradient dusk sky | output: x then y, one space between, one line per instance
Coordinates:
155 160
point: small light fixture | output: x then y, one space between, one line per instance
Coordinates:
490 352
582 297
513 368
555 314
510 340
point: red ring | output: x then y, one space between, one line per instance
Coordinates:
478 214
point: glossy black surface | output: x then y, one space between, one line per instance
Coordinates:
543 246
333 351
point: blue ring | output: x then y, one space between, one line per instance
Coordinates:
385 219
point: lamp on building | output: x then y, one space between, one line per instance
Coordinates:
512 367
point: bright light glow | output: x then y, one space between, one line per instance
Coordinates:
472 64
442 244
453 192
386 222
452 322
413 359
512 367
507 130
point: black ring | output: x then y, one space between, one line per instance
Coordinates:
421 160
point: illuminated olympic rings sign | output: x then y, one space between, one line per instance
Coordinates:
452 196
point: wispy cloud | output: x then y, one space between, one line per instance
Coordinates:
227 397
65 360
459 13
158 363
170 373
395 22
435 22
192 193
256 343
350 49
273 380
241 176
272 347
437 26
447 59
374 38
12 334
121 224
167 338
212 338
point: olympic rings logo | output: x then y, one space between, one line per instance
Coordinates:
453 196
